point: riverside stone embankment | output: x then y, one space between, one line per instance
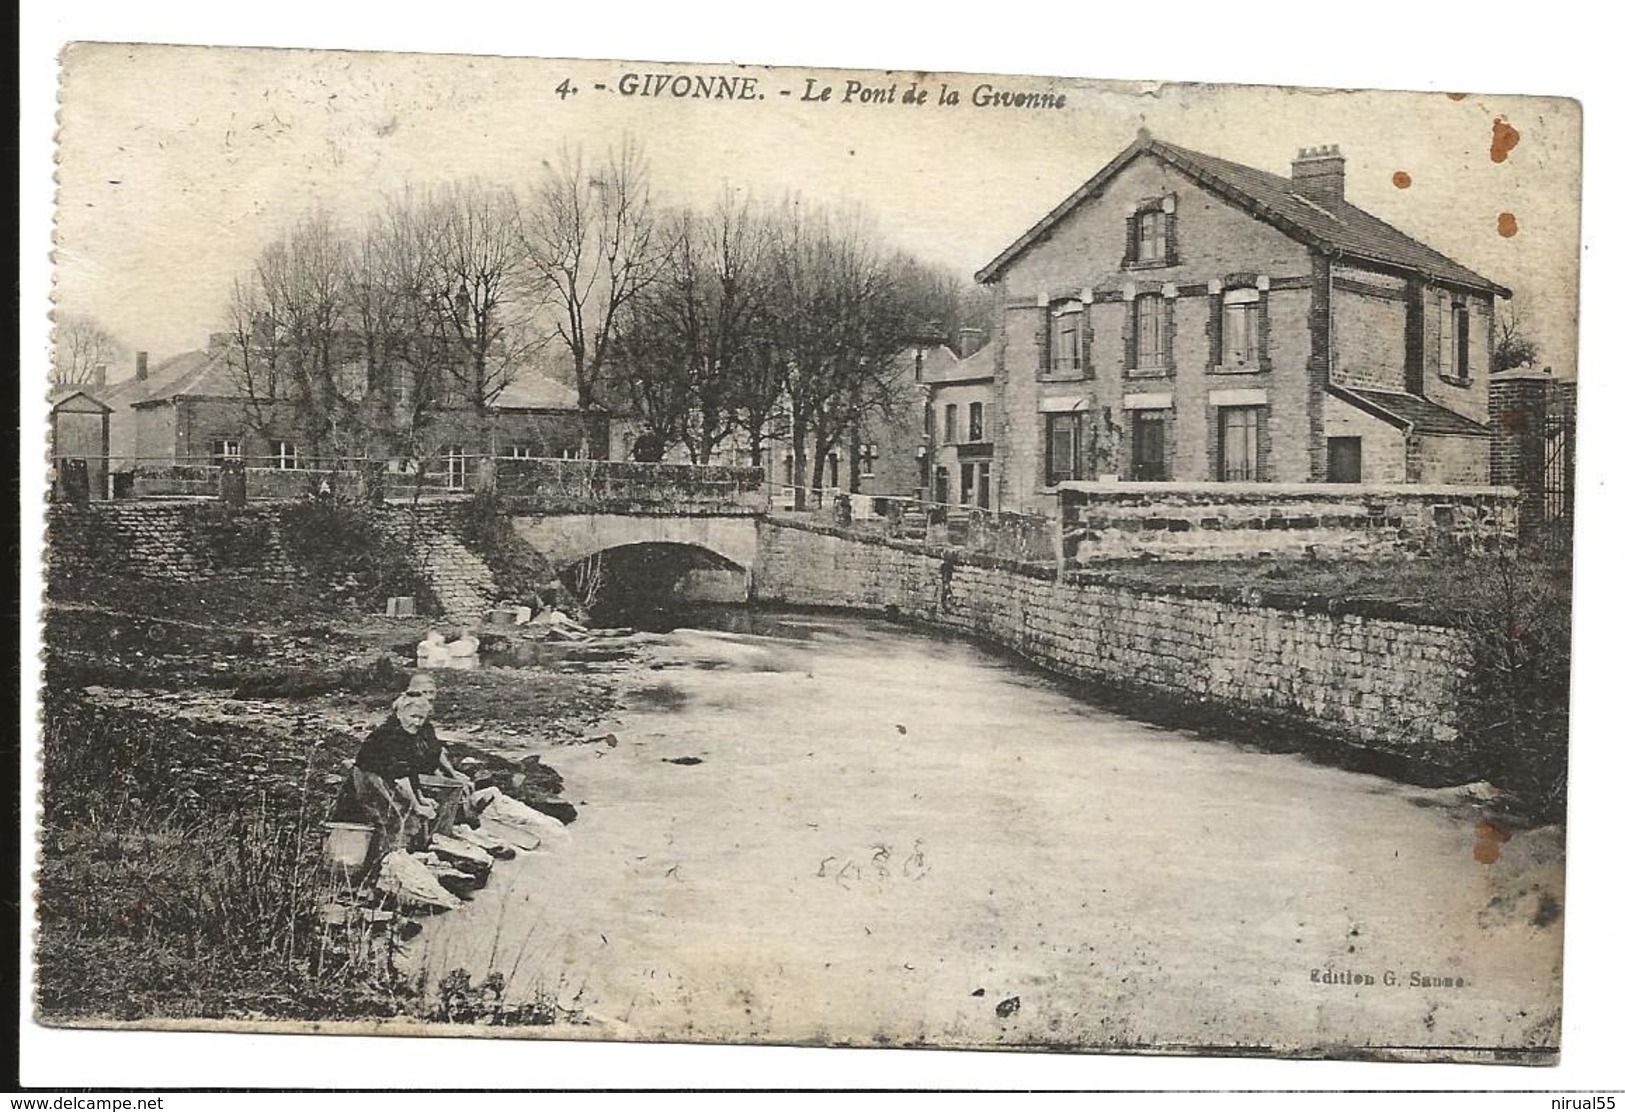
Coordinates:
1377 682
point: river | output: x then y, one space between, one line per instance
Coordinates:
838 830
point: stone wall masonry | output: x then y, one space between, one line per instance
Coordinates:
204 541
1376 682
1216 521
460 580
179 542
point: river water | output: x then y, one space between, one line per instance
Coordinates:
836 830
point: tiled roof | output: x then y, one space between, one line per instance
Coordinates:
1408 411
192 372
1335 227
533 390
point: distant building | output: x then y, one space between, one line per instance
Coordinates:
79 433
959 422
1184 317
193 409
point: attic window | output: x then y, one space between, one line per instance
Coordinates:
1151 234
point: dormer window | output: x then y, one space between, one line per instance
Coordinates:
1151 234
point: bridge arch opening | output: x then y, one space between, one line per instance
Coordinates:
651 584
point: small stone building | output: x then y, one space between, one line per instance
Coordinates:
1181 317
79 432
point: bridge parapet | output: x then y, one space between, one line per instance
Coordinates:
531 486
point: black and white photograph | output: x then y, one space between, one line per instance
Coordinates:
683 553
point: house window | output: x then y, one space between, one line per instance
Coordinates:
1063 436
1148 460
950 424
1241 328
975 422
1150 332
1238 444
867 454
284 455
224 449
456 461
967 483
1065 337
1151 240
1151 235
1342 459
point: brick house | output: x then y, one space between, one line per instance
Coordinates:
192 409
1182 317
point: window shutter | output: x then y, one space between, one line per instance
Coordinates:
1263 327
1131 239
1167 337
1215 330
1086 341
1131 337
1042 339
1171 254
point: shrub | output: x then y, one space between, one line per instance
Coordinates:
341 546
1515 716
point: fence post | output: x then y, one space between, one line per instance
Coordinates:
233 483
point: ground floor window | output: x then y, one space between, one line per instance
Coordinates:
1343 459
975 484
867 455
284 455
1063 451
223 449
1238 444
1148 446
456 461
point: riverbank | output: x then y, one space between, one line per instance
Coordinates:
191 748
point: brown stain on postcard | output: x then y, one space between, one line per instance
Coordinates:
1487 840
1503 137
1402 180
1507 225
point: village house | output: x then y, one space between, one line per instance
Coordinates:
194 410
1181 317
959 423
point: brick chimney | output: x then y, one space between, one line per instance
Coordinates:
141 366
98 378
1317 173
970 339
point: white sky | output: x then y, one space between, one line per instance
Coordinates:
1556 47
178 164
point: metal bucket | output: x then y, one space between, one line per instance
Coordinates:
346 846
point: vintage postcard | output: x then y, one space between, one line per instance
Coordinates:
656 552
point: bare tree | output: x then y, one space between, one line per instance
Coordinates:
488 315
82 345
287 341
687 340
590 239
842 313
1513 346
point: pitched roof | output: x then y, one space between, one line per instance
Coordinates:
58 395
191 373
1409 412
1337 228
533 390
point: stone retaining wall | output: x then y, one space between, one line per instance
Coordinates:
1376 682
1218 521
180 542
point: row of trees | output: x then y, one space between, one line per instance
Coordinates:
741 320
